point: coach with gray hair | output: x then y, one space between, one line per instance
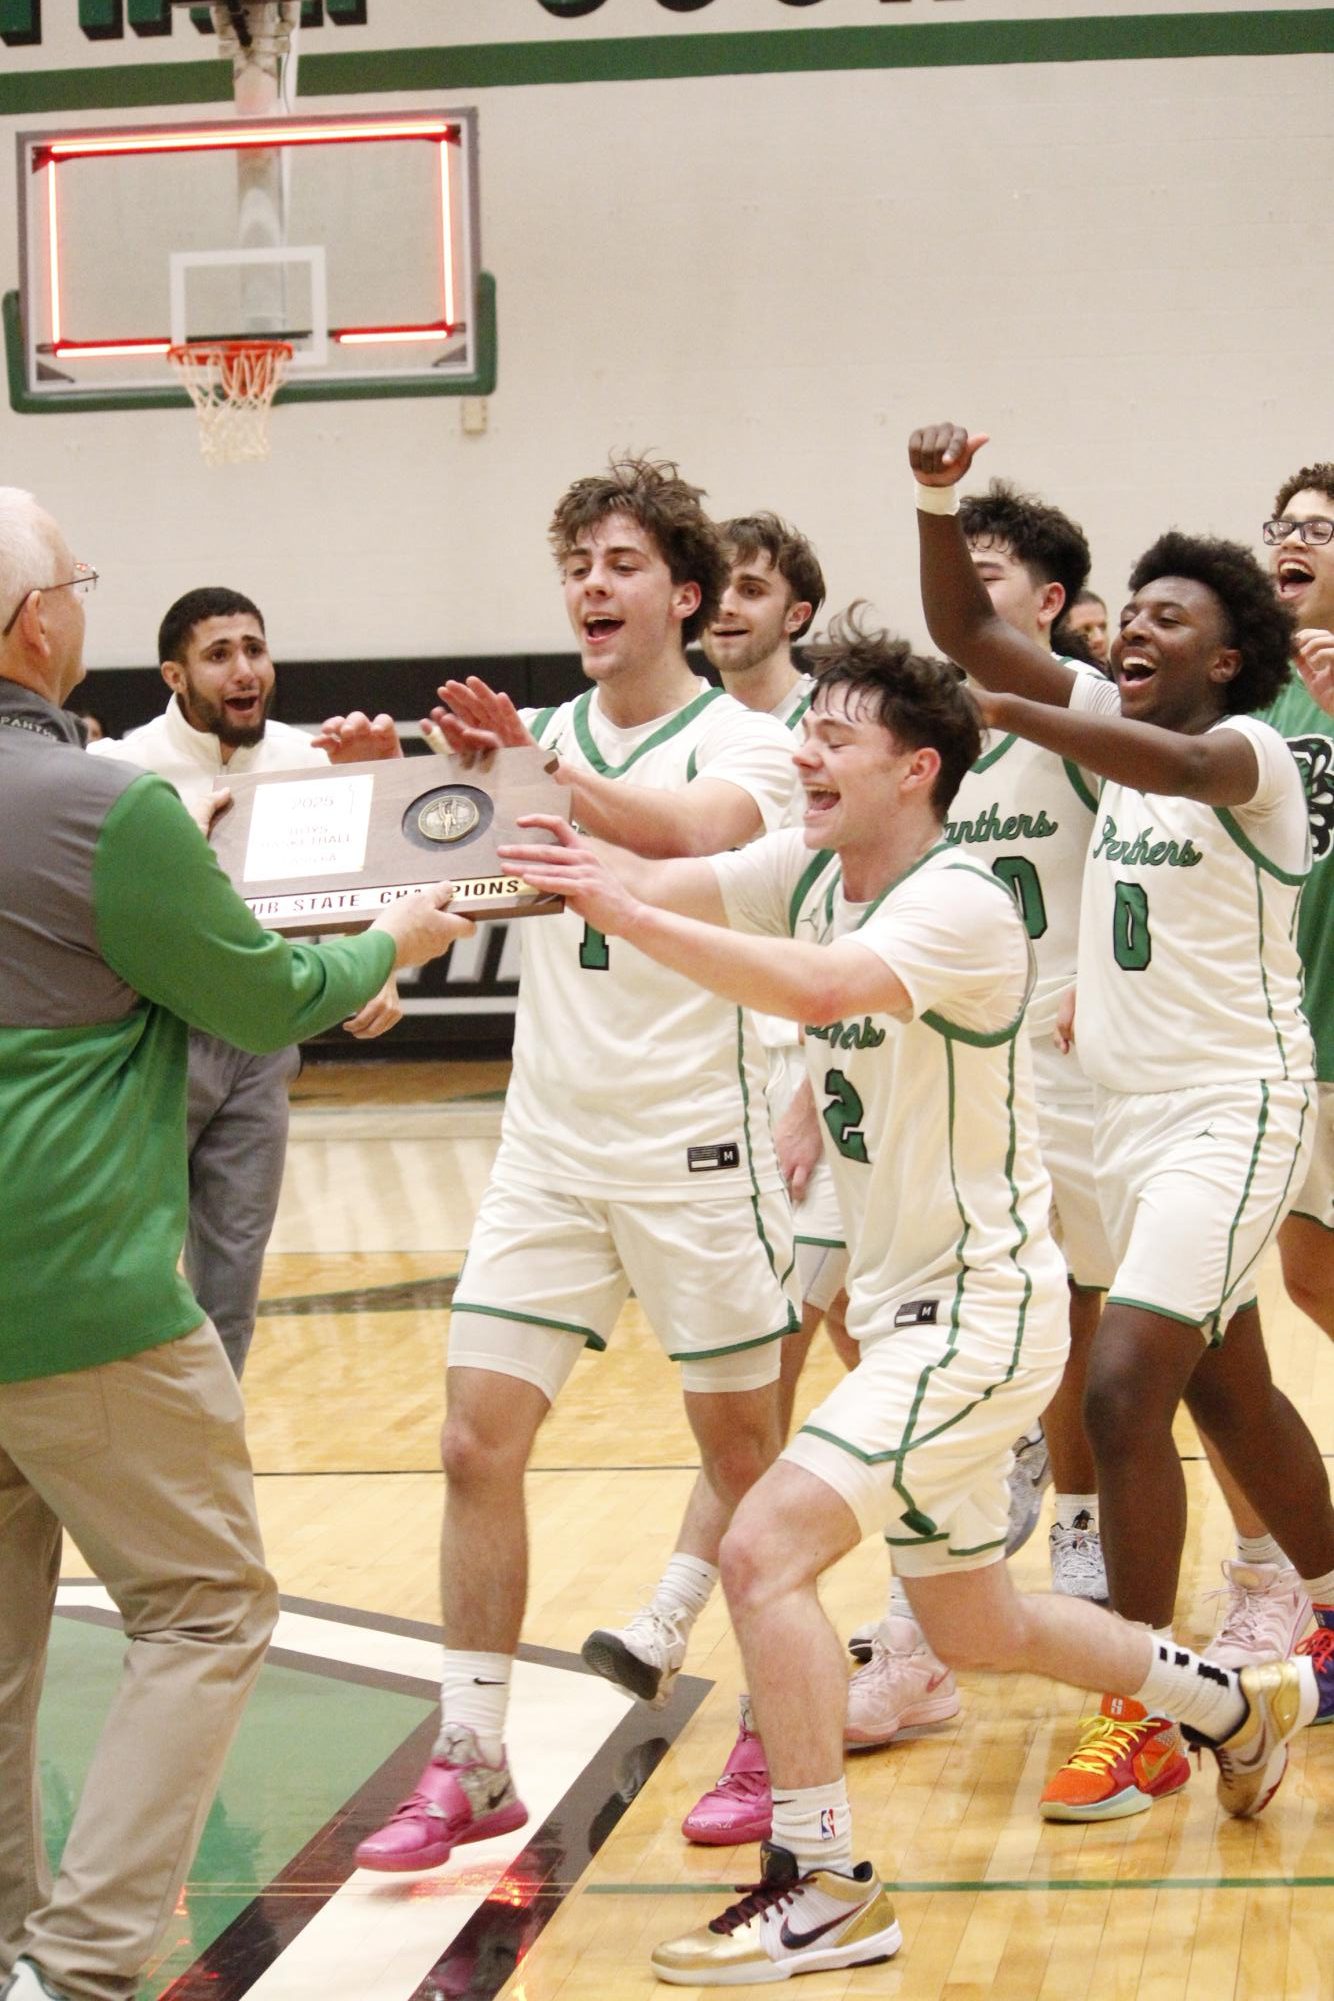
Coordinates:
120 1419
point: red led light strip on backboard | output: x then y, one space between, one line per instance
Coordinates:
227 138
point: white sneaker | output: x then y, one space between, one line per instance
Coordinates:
785 1924
1265 1612
1077 1568
643 1657
859 1643
902 1684
25 1983
1030 1473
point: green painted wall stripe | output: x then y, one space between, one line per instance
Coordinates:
635 58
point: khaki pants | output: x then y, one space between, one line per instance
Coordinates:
144 1462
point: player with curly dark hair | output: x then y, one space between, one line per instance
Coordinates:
651 493
1028 550
1190 1025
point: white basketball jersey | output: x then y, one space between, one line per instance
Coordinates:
929 1125
630 1080
1026 814
1188 967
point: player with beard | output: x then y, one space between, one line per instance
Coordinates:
215 659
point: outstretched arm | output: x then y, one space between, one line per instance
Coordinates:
1219 768
958 611
703 818
817 984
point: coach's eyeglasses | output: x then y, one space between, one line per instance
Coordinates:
1314 532
81 583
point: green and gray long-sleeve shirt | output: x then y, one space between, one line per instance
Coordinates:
118 930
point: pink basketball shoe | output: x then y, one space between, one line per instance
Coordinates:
740 1807
459 1797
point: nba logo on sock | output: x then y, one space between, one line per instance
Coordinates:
826 1823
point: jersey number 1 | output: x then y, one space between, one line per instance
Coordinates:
593 954
843 1115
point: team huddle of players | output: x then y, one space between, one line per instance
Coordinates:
968 1017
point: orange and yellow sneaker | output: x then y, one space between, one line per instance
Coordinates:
1124 1761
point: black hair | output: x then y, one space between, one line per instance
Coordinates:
210 601
1052 548
1254 622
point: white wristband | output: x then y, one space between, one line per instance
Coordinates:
937 499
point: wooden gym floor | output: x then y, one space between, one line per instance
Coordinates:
344 1391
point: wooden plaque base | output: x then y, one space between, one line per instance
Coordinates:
328 851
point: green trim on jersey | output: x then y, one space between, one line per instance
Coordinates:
1278 1207
1076 777
735 1347
823 1243
810 875
790 722
670 728
794 1319
692 765
1252 853
1163 1312
540 721
997 751
976 1037
590 1339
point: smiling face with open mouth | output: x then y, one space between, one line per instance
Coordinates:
1303 572
225 685
621 601
755 618
1170 659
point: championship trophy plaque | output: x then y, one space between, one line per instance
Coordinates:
329 850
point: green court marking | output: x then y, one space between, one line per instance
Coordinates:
306 1744
911 1888
1239 31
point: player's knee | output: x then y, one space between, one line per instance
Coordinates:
747 1577
1118 1403
472 1458
734 1464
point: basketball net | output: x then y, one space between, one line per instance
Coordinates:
232 384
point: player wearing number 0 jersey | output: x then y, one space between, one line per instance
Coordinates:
910 968
1189 1023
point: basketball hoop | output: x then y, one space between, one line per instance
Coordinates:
232 384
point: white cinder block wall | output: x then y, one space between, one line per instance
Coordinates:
1122 269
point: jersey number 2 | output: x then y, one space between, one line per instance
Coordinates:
593 954
843 1115
1130 927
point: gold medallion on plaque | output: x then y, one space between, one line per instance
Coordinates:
449 817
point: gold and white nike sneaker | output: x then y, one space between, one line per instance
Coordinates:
1252 1761
785 1924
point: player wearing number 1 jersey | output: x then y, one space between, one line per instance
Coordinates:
1189 1023
636 1150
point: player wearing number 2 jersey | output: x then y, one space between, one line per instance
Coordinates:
910 968
1189 1023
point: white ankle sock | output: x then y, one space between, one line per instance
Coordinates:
1259 1549
1320 1590
896 1605
1190 1690
814 1823
685 1588
475 1692
1069 1506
